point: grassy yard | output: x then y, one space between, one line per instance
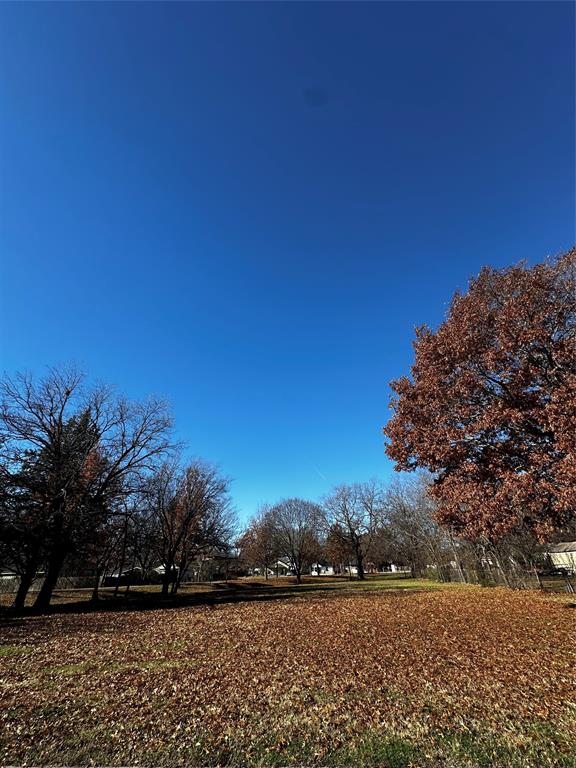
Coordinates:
205 592
383 674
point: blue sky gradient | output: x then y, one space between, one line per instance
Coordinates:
247 207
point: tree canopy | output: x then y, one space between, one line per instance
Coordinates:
490 407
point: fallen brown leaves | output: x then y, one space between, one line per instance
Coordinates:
298 681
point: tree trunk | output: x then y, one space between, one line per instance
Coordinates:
26 580
168 569
122 556
503 573
415 570
360 566
55 564
96 588
457 559
129 579
178 578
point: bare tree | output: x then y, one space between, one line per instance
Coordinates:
193 512
354 512
206 499
298 524
416 538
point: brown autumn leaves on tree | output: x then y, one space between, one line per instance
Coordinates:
259 543
490 407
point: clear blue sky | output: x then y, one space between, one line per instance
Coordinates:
247 208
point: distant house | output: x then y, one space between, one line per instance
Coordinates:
325 569
133 575
282 568
214 564
279 568
268 572
322 569
395 568
562 555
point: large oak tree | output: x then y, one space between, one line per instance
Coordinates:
490 407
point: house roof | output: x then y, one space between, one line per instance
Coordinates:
562 546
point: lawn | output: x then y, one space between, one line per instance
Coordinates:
218 591
356 676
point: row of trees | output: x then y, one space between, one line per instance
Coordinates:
366 525
370 526
87 476
92 483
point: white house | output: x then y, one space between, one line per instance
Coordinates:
562 555
398 568
321 569
325 569
282 568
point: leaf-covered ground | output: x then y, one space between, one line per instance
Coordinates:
465 677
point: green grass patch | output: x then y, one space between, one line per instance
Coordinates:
68 670
13 650
534 744
376 751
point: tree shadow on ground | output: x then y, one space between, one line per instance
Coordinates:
220 593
